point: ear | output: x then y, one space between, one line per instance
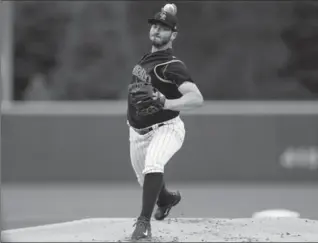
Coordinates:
174 35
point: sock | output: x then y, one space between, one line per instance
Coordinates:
151 188
164 195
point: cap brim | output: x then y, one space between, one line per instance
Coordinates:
156 21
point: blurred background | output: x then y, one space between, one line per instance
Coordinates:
65 67
248 50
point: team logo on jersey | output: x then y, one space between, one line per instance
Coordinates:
141 74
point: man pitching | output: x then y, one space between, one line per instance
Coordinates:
161 87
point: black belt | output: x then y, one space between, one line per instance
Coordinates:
144 131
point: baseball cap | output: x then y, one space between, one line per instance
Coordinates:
166 19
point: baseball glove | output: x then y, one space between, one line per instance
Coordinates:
147 100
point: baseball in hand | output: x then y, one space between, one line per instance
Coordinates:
170 8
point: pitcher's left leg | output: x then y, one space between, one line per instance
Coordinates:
166 200
167 140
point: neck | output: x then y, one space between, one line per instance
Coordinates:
162 48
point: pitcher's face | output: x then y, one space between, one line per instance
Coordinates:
160 35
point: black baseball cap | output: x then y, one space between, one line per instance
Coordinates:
166 19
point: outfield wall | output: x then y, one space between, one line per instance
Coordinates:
42 146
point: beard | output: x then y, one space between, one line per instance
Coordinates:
160 42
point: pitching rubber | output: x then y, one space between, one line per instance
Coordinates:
278 229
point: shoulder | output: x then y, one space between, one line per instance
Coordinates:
173 64
176 65
177 71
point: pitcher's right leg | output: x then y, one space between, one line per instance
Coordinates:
138 149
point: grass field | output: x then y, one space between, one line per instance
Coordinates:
37 204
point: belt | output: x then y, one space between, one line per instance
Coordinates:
144 131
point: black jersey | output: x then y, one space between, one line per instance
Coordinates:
166 73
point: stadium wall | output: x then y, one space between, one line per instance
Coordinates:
222 147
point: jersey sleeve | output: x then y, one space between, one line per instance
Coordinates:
178 73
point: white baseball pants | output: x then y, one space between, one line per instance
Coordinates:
150 153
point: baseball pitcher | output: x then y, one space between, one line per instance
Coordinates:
160 88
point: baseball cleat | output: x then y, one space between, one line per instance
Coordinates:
164 210
142 230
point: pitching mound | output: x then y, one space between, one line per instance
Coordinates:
172 230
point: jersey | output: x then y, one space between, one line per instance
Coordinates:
166 73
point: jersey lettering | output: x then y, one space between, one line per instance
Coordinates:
141 74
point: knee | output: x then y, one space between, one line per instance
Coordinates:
141 182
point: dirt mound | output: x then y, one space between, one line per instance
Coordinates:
172 230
